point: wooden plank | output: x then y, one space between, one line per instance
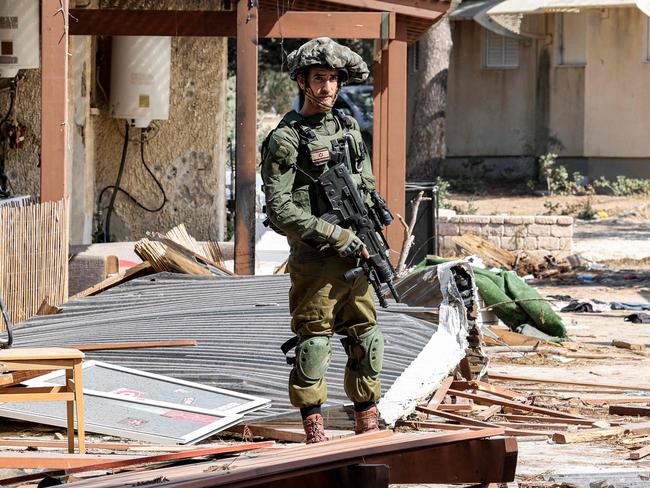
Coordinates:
429 10
358 25
246 132
514 405
395 156
528 379
455 407
452 416
428 424
488 388
105 346
109 446
553 420
18 377
628 345
489 412
492 255
515 339
469 457
640 453
137 271
283 433
597 434
37 460
632 410
54 101
102 465
440 393
213 23
39 353
532 425
613 399
35 397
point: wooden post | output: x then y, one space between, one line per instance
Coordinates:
389 137
247 28
54 100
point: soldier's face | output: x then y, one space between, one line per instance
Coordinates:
323 83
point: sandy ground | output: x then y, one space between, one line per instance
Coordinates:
534 205
594 461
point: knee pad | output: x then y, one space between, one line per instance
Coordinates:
366 353
313 355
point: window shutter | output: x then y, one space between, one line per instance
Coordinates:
501 51
511 52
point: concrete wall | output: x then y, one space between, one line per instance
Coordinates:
617 104
488 110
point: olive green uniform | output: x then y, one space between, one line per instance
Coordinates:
321 301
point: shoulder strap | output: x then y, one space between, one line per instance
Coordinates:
305 132
346 120
264 148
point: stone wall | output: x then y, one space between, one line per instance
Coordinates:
22 165
535 234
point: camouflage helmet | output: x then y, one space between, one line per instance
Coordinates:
323 51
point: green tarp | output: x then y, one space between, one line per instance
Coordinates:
518 302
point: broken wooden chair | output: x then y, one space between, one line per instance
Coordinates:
49 359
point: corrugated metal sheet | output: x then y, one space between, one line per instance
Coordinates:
239 323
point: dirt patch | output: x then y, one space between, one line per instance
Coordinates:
535 205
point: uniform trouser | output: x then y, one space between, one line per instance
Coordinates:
322 303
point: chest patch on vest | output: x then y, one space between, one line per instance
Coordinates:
320 156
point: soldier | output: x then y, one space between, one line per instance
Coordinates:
321 301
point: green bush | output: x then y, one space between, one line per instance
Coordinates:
624 186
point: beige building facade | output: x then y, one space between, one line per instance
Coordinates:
575 83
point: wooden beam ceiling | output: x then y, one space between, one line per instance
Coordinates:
116 22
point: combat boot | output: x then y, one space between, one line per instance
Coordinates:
366 421
314 429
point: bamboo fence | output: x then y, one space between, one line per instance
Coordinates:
33 257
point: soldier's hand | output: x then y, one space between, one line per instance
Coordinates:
346 242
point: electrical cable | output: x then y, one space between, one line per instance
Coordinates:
111 204
116 187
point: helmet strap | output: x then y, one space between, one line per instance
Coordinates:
309 94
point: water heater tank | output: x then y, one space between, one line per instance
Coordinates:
19 36
140 70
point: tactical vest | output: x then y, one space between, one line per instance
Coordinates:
316 154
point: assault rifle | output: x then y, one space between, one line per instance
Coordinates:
349 209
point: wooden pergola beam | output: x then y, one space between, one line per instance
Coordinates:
429 10
54 101
389 160
246 131
247 24
120 22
